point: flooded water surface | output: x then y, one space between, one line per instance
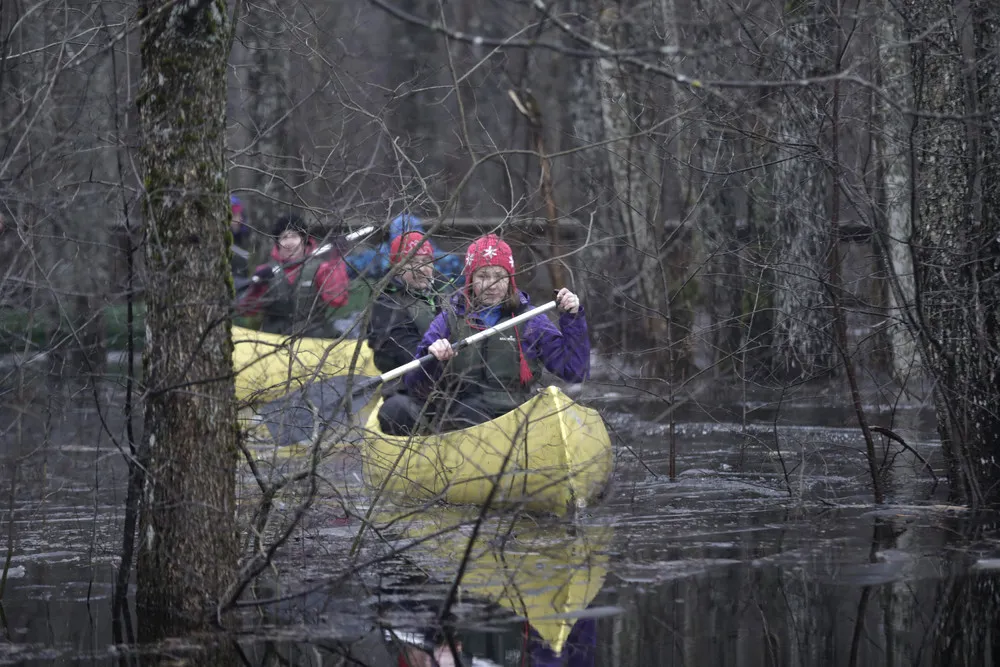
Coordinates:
766 549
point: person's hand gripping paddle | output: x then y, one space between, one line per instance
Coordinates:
311 411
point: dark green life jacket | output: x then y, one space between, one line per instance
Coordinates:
420 307
490 368
296 307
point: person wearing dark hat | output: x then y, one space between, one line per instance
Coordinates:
299 299
399 317
491 378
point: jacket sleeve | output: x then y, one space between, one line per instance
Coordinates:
392 335
332 282
250 302
360 262
564 351
419 381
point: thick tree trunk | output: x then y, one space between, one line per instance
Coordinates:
634 161
803 346
415 110
188 547
894 149
274 173
955 236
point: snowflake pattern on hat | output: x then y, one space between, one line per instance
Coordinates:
488 250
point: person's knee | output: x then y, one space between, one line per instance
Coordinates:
396 416
463 413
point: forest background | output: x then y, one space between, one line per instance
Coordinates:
757 193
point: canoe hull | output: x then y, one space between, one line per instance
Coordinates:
268 366
549 455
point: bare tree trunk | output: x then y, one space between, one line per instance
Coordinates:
415 107
955 236
894 148
527 105
188 546
274 174
54 106
590 166
635 172
803 345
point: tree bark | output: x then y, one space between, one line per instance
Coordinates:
188 547
589 167
895 154
274 173
528 106
803 346
955 245
635 169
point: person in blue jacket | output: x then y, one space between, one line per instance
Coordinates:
375 263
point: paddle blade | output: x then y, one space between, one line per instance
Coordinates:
316 410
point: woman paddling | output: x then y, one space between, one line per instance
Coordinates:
302 300
491 378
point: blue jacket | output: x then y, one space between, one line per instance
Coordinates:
374 263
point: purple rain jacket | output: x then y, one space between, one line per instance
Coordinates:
565 351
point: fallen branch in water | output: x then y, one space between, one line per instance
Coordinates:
896 438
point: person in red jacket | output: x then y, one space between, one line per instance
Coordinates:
299 300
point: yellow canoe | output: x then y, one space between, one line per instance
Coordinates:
268 366
546 574
549 455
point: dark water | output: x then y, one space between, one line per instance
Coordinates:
747 558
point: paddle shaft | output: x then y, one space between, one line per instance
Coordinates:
471 340
322 250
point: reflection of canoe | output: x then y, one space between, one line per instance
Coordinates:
546 574
550 454
270 365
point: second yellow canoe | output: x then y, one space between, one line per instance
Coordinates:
268 366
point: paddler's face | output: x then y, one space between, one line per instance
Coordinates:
418 271
490 285
290 247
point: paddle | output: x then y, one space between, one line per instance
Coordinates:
293 418
322 250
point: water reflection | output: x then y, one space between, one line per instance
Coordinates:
720 567
527 585
895 592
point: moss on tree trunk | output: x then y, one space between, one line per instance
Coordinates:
188 547
955 239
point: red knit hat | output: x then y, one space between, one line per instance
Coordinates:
489 250
402 245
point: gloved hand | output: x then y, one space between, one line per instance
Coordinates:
263 274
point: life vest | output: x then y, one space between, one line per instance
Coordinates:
296 307
419 308
491 368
